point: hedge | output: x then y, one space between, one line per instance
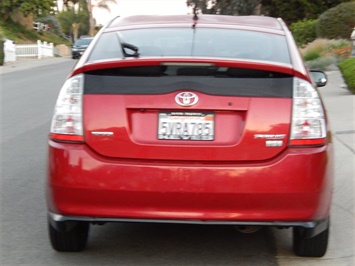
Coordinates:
304 31
337 22
347 67
2 54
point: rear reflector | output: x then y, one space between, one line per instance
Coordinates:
62 137
305 142
308 122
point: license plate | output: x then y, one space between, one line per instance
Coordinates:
186 125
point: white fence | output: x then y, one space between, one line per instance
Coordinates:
38 50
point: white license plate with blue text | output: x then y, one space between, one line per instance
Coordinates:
186 126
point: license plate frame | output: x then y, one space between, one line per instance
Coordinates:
183 125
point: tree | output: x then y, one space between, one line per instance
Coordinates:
74 21
337 22
237 7
90 5
34 7
295 10
67 5
100 4
226 7
290 11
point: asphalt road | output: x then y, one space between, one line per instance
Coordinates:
28 94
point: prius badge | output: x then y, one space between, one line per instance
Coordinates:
271 140
186 98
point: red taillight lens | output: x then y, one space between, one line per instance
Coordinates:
67 117
308 121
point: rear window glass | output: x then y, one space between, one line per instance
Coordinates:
206 42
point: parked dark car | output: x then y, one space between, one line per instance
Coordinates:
214 120
80 46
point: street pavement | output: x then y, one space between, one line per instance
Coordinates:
28 63
340 104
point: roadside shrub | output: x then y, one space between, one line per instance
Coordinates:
314 49
341 49
312 55
347 67
337 22
317 45
322 63
322 53
52 22
304 31
2 54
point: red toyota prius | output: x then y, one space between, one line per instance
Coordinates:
199 120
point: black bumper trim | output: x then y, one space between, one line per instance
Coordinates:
312 227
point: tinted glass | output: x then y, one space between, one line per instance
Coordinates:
210 80
107 47
81 42
225 43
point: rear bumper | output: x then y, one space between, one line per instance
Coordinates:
292 190
61 222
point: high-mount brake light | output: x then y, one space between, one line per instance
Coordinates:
67 122
308 120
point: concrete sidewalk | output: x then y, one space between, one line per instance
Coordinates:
27 63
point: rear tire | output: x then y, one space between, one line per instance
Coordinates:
72 240
315 246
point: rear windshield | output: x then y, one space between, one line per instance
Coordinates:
212 80
81 42
205 42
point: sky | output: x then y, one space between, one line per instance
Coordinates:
142 7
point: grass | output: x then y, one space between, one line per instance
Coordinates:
21 35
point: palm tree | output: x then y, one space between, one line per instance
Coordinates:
66 3
96 3
72 22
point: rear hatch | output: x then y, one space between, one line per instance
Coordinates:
188 112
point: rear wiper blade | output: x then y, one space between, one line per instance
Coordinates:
134 50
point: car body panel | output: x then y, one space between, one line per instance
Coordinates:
294 186
239 127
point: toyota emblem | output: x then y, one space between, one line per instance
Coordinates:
186 98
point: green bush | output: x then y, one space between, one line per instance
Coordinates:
322 63
337 22
2 54
19 34
304 31
312 55
347 67
341 49
323 54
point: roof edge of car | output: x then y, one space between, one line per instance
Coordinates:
258 21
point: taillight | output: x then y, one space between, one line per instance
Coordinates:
67 118
308 121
